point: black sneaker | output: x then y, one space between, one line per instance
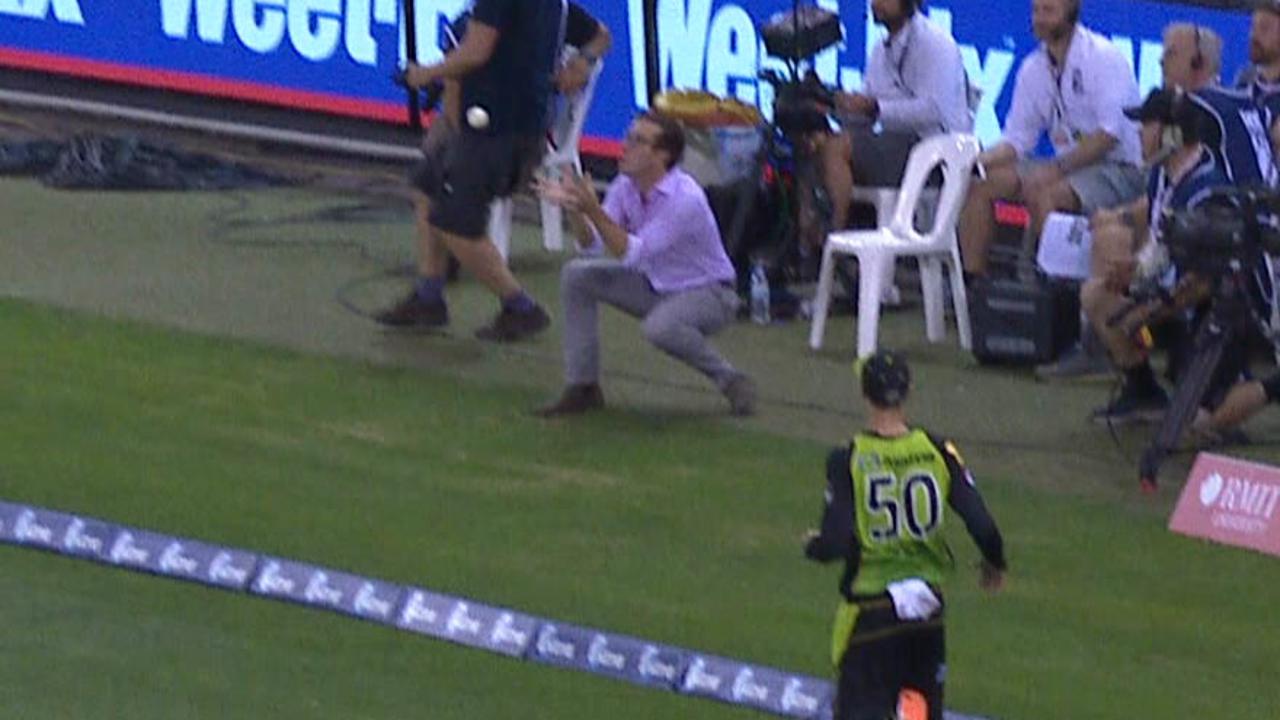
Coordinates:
1134 405
510 326
1077 363
414 312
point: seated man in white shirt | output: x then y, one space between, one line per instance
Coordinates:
1192 60
1074 87
915 86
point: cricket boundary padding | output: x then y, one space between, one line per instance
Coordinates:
412 609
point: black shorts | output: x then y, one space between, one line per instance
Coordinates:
886 655
463 174
880 159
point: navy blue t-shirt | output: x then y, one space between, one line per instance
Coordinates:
516 84
1190 190
1267 95
1240 142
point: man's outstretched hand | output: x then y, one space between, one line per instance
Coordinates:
571 191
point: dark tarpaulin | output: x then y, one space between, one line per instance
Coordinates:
103 162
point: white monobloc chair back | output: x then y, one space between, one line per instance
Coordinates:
562 151
955 155
934 248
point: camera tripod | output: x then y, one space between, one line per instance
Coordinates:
1228 321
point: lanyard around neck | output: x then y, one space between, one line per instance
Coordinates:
908 34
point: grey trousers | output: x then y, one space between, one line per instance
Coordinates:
677 323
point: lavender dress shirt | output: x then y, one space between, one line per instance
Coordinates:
673 237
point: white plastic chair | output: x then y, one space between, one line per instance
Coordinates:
562 151
884 200
877 249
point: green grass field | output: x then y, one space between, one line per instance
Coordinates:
413 459
683 528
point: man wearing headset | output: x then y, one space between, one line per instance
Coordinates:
915 86
1181 181
1263 76
1074 87
1191 61
1251 396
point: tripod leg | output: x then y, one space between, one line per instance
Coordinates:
1186 399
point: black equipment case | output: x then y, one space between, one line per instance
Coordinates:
1017 322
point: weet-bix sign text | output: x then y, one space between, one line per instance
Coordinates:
336 55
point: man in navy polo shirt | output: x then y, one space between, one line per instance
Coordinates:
504 67
1183 180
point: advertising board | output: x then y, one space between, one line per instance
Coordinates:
336 56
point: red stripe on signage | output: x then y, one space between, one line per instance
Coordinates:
203 85
602 147
235 90
1010 214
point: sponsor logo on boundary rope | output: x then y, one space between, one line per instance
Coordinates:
420 611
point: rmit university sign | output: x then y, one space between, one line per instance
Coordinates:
1232 502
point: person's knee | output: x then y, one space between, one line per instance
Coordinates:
574 277
660 331
1053 198
1094 296
981 191
835 151
1041 202
1001 183
835 146
1112 247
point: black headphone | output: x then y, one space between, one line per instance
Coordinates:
1189 122
1197 60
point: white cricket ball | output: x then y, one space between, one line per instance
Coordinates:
477 117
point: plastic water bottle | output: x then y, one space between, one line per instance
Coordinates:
759 294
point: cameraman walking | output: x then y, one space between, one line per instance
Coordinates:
504 68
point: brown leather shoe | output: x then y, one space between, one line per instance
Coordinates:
575 400
741 393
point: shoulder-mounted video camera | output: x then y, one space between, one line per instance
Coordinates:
800 107
801 104
1226 233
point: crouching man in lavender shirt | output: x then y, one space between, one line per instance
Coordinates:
658 257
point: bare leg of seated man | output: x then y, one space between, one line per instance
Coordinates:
866 158
1114 232
1141 396
1222 426
835 152
1045 199
977 225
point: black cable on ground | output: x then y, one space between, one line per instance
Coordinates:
370 208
